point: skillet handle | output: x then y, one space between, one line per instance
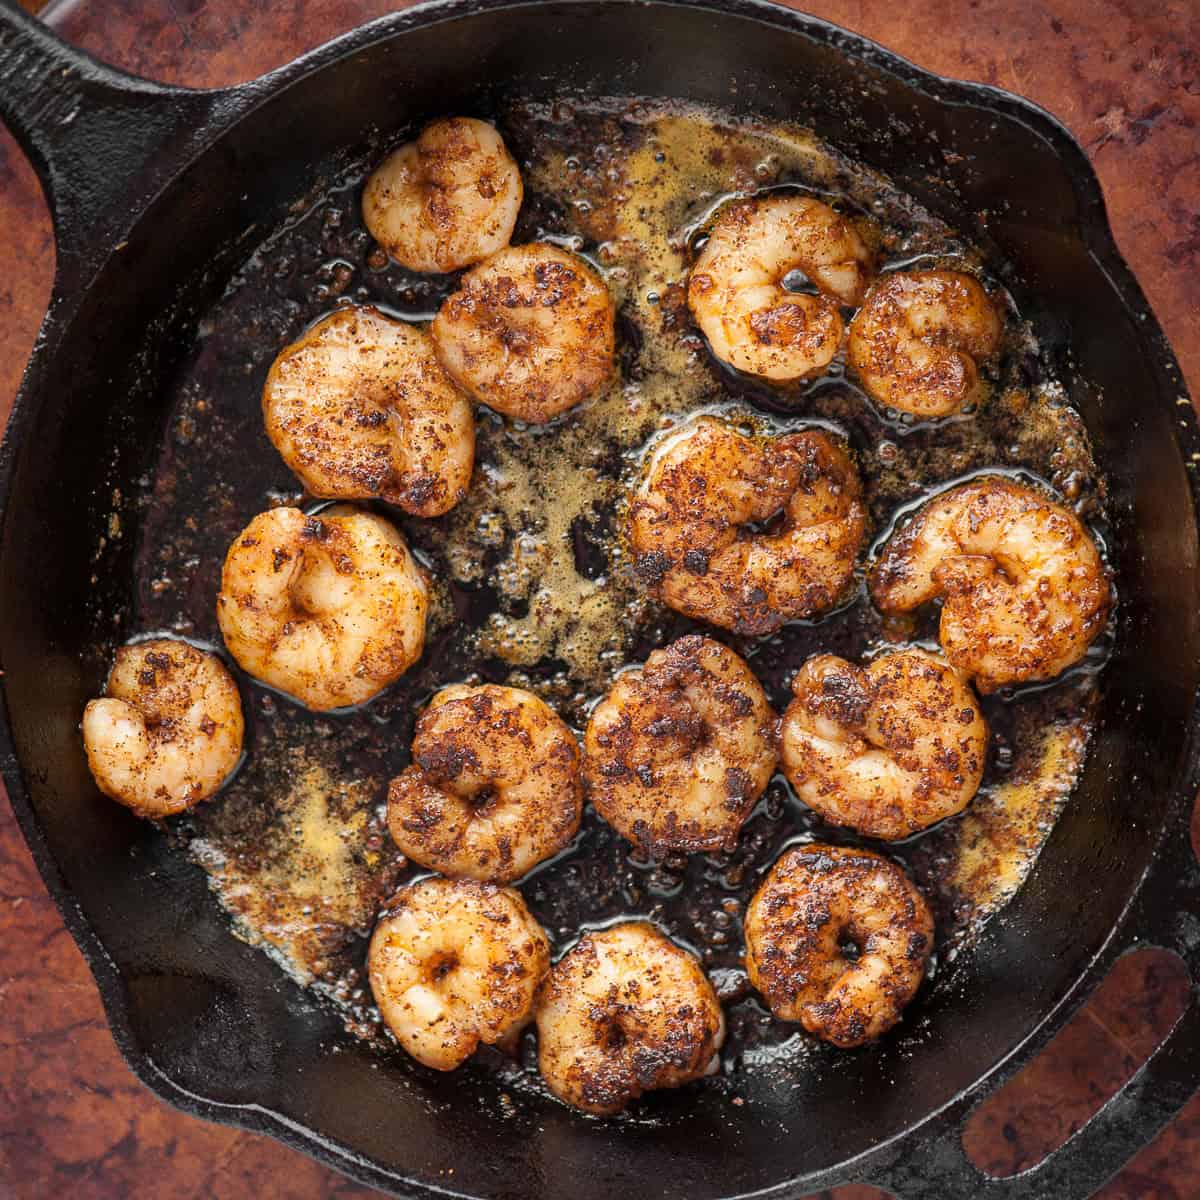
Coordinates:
1165 914
102 141
1087 1160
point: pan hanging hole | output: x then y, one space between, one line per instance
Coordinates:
1086 1063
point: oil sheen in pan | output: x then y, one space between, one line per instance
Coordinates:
532 588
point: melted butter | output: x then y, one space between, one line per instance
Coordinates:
569 616
1000 836
312 878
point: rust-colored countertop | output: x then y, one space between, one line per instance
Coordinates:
1124 75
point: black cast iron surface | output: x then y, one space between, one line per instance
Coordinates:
158 195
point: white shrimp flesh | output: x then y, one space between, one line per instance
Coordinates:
329 609
455 963
168 731
446 200
359 407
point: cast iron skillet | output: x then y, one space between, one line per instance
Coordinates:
157 194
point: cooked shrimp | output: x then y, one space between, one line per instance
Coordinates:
455 963
446 200
689 525
359 407
837 938
529 332
329 609
1024 590
678 752
887 749
917 342
493 788
737 289
625 1011
168 732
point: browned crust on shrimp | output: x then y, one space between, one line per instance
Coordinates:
624 1012
1024 589
919 339
530 332
816 897
446 200
678 752
168 731
493 788
330 609
736 289
456 963
359 406
887 749
690 525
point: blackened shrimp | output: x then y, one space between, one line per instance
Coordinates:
677 753
737 289
493 788
446 200
918 341
454 964
1024 590
692 525
168 731
887 749
359 407
623 1012
838 938
529 332
329 609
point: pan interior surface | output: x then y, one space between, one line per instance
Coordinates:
215 1018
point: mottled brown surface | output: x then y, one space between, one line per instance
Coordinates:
814 898
1123 75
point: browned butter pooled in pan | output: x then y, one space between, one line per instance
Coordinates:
532 588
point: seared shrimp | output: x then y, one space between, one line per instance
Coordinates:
625 1011
529 332
887 749
678 752
453 964
359 407
1024 590
688 525
917 342
737 289
329 609
818 902
447 200
493 788
168 732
